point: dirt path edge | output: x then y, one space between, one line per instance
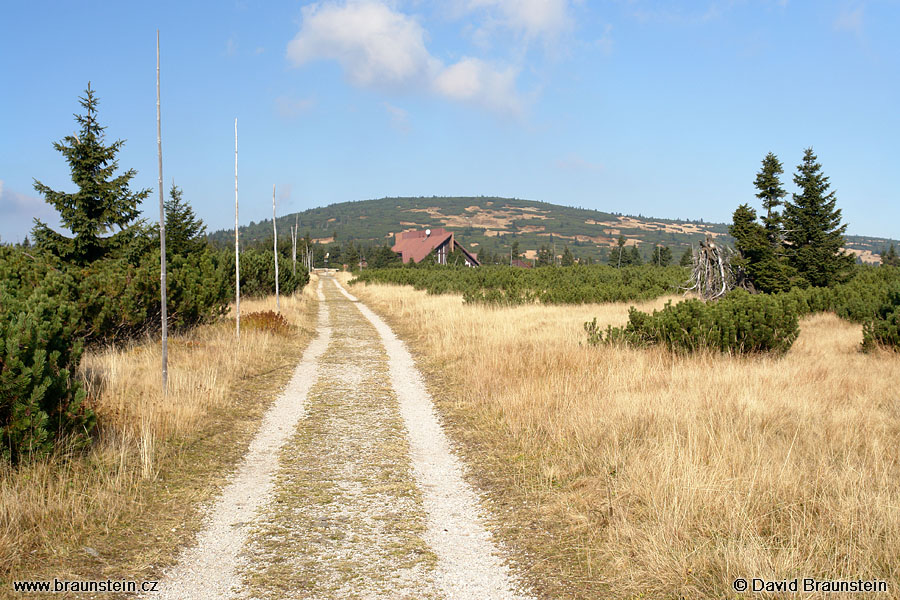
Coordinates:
208 569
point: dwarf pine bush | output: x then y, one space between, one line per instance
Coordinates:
884 328
743 323
41 398
740 323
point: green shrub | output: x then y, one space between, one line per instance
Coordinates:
41 399
740 323
258 273
766 323
884 328
119 300
578 284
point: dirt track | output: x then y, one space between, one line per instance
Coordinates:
350 489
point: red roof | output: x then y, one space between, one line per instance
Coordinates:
415 245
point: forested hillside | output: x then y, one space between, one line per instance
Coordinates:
494 224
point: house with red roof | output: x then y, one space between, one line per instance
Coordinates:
416 245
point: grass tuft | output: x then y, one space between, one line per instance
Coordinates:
267 321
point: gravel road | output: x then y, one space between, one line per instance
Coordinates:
350 488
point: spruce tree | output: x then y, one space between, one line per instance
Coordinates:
185 233
687 258
771 193
662 256
634 257
544 256
567 258
756 256
514 251
813 232
616 255
351 256
889 257
103 201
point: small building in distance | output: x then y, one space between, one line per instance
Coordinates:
416 245
521 264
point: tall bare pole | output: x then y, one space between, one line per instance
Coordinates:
237 261
275 250
162 238
294 232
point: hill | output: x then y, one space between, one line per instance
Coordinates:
489 223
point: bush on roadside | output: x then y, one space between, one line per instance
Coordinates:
258 273
41 399
120 300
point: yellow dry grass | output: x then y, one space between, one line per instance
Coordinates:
651 474
49 508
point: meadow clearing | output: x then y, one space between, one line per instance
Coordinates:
624 473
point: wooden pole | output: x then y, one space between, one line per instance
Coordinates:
237 261
162 238
275 250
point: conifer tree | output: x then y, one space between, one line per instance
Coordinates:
567 258
662 256
813 231
771 193
889 257
687 258
616 257
351 256
634 257
184 230
103 201
756 259
544 256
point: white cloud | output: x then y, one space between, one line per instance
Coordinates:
379 47
850 20
18 212
288 108
374 44
473 80
532 18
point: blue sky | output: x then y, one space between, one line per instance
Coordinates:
644 107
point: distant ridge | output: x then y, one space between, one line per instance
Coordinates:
484 222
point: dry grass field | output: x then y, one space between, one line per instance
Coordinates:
626 473
123 508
